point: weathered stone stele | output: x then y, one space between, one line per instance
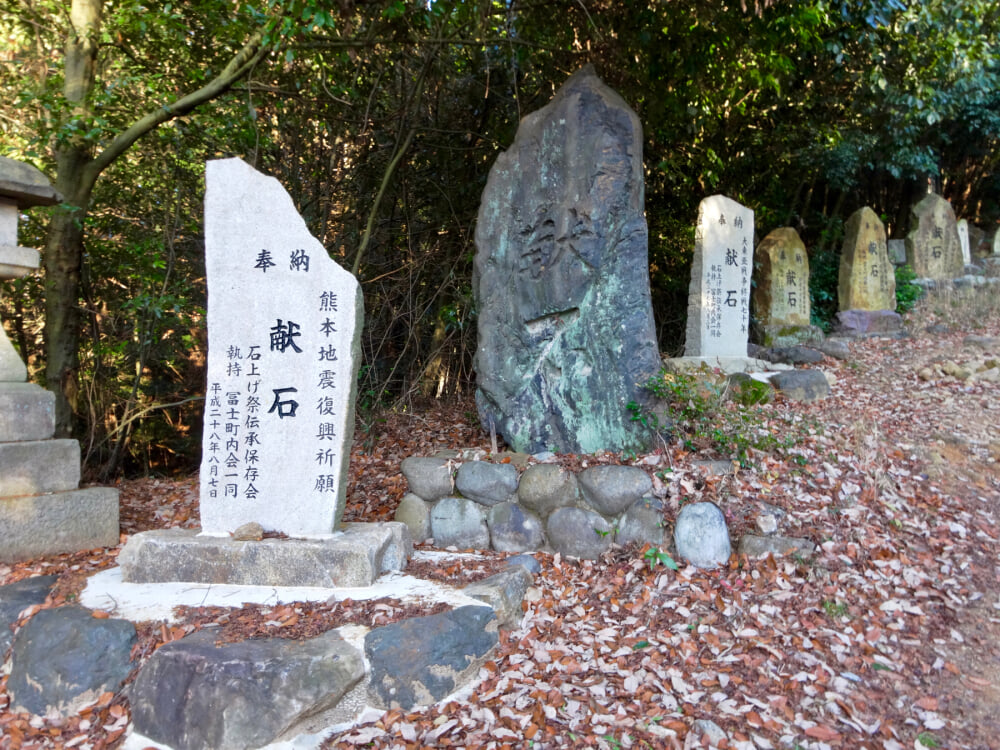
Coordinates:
932 246
284 324
561 280
962 227
718 321
781 295
867 280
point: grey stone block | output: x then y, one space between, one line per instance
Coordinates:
861 323
802 385
503 592
195 695
701 535
577 532
64 658
457 522
38 466
419 661
514 529
611 489
752 545
354 557
428 478
27 412
545 487
416 514
486 483
35 525
16 597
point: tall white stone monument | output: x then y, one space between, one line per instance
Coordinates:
718 321
963 240
284 324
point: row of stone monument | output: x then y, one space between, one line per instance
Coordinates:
566 333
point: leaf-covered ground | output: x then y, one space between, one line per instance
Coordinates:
888 637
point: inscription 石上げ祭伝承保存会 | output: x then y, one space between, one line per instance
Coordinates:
279 404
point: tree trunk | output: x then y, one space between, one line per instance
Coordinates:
63 260
63 255
77 170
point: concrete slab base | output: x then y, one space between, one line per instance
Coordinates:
35 525
355 556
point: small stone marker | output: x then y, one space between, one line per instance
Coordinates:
995 244
561 278
962 226
284 323
867 280
781 296
897 252
718 321
932 246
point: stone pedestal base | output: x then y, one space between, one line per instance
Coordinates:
58 522
39 466
865 323
777 336
27 412
350 558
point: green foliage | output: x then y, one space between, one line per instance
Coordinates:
907 293
750 392
803 111
834 610
708 412
655 556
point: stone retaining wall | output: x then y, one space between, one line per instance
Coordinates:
481 505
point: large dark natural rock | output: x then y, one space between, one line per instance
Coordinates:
194 695
16 597
421 660
65 658
561 280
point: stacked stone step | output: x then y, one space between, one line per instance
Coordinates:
42 511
